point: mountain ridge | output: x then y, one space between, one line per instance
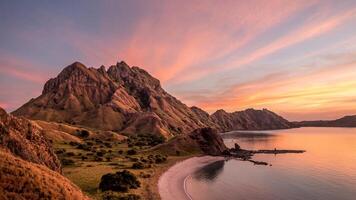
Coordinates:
124 99
346 121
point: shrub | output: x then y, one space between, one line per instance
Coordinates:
101 153
83 146
160 159
108 158
121 181
84 133
120 151
70 154
98 159
73 143
60 151
108 145
131 152
66 161
137 165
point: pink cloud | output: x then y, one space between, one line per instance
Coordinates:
315 27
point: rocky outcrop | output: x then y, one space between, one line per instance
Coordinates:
202 140
24 139
250 119
29 169
119 99
347 121
20 179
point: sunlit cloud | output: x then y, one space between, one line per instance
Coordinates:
232 55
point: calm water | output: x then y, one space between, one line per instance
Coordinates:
327 171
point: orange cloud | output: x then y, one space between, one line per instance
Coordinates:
328 90
314 28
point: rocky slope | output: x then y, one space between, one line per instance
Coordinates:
347 121
204 140
249 119
122 98
20 179
28 167
24 139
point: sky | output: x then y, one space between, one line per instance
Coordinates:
296 58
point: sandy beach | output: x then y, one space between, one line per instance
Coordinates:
171 183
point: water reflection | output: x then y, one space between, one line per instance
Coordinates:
210 172
253 139
326 171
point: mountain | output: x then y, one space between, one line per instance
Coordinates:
129 100
29 169
347 121
123 98
249 119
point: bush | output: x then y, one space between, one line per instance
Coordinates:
70 154
84 133
160 159
137 165
67 162
98 159
131 152
121 181
145 140
83 146
60 151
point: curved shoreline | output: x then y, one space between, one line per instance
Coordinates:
171 184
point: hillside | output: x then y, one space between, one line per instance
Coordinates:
29 169
249 119
347 121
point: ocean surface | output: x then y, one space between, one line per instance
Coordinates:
326 171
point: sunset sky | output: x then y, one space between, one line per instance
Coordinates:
297 58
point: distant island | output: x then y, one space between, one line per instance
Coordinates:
347 121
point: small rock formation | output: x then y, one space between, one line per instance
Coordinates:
202 140
24 139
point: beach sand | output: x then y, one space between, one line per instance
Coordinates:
171 183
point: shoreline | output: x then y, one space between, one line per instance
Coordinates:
171 184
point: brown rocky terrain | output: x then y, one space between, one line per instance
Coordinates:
204 140
24 139
23 180
29 169
347 121
119 99
250 119
129 100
